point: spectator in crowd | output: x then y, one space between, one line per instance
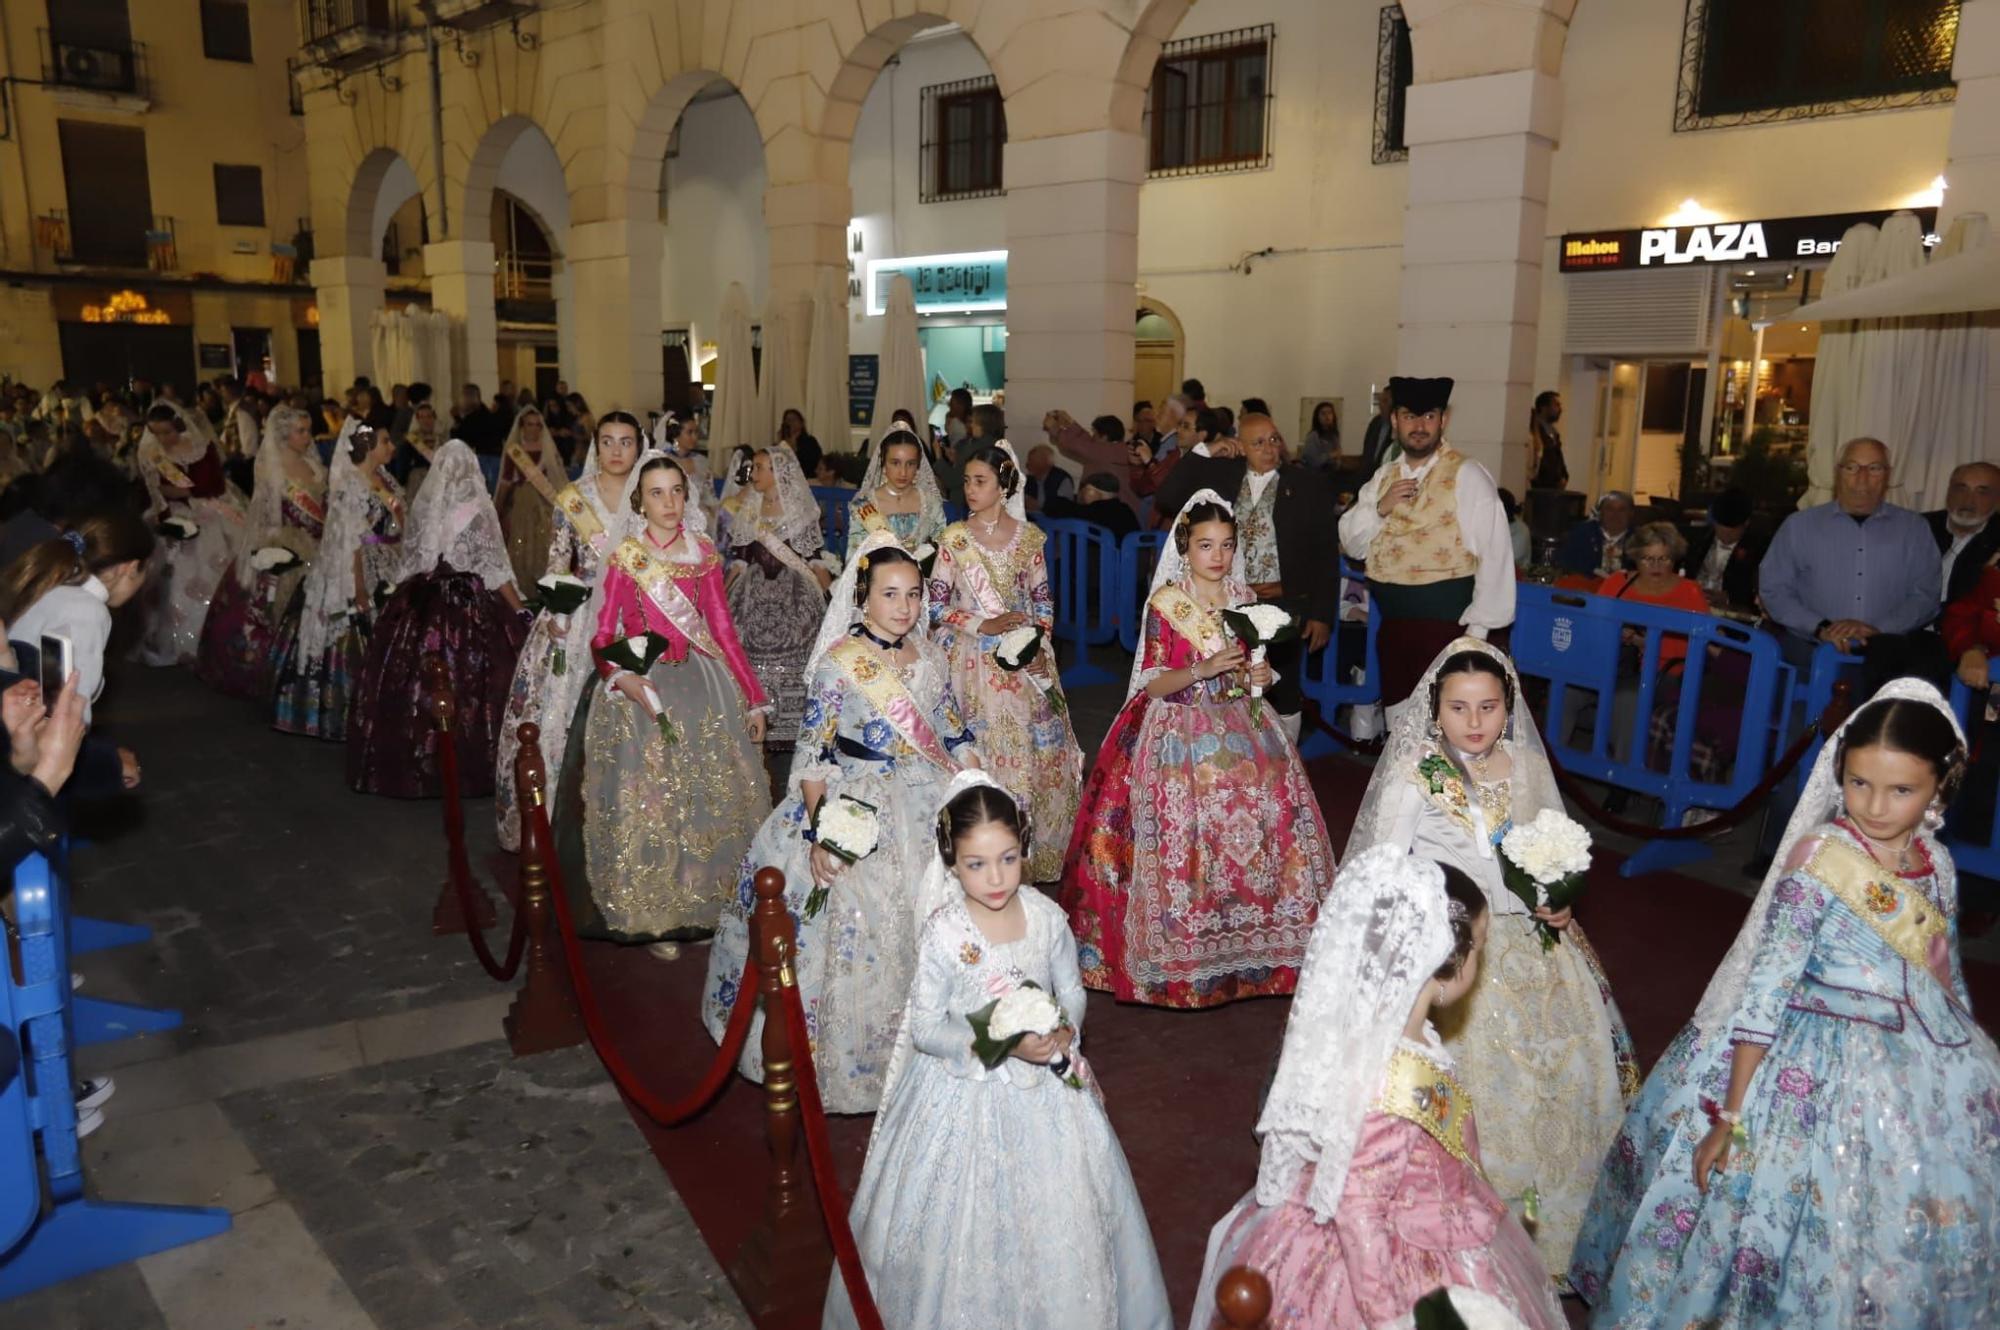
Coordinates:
986 424
476 423
1194 394
399 400
1657 551
67 586
1321 447
417 395
792 430
1100 448
1434 535
1724 555
1151 464
828 477
1097 502
1224 423
1045 480
1378 442
503 400
368 406
1256 406
579 411
1596 547
1144 426
1517 530
1966 534
957 418
1546 469
1289 551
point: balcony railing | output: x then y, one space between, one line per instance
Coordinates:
162 251
524 289
118 71
52 234
347 34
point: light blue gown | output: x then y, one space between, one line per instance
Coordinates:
1869 1195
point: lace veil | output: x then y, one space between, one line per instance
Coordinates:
797 522
276 463
452 521
1172 568
929 497
1382 933
1017 502
199 436
551 458
1413 733
329 584
1819 802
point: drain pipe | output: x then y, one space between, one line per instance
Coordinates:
437 131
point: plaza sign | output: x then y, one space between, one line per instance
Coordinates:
944 283
1781 239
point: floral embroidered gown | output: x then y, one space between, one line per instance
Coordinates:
1023 731
651 833
1200 857
1869 1192
856 954
777 604
322 637
996 1197
240 637
911 530
182 575
1416 1213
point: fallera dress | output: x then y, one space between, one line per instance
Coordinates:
774 597
182 575
996 1197
240 637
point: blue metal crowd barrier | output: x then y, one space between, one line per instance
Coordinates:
1138 556
1327 678
1083 563
1574 641
833 517
75 1235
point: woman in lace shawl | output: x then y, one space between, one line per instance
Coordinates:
899 496
200 518
591 517
239 639
1539 1041
777 587
525 512
455 599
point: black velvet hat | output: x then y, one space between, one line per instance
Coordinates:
1418 396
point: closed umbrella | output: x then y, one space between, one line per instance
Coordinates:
781 381
901 380
1953 397
1836 390
826 362
731 422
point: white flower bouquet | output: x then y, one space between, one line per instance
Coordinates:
637 654
926 557
561 595
1004 1022
176 527
830 561
846 828
1259 626
1544 863
1017 649
274 559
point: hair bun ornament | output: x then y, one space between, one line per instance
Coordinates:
1455 910
75 541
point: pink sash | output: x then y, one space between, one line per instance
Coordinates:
655 576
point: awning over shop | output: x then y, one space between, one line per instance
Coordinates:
1964 283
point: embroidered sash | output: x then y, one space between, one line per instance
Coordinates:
1912 926
1190 620
774 544
425 448
1418 1090
976 570
303 499
655 576
170 470
877 681
582 517
872 517
531 470
385 489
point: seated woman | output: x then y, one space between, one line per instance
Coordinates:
202 518
455 598
1370 1193
288 512
777 590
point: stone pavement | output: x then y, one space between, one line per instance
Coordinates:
340 1084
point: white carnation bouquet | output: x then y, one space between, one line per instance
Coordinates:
561 595
847 828
637 655
926 557
1017 649
274 559
1004 1022
176 527
1260 625
1544 863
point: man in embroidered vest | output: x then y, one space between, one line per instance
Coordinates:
1432 530
1289 553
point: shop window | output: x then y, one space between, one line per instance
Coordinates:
239 195
225 29
110 196
1209 107
1744 61
1395 71
965 140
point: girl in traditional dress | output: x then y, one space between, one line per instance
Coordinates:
182 469
1199 855
239 639
995 1196
777 589
525 511
990 579
880 726
1539 1040
1370 1193
1821 1146
456 599
591 518
325 630
652 828
899 495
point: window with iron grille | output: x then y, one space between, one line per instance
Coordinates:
1209 107
239 195
964 140
1395 71
225 29
1745 61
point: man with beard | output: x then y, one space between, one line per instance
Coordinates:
1433 532
1966 534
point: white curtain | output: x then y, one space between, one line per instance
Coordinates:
1953 398
781 382
901 382
1836 391
826 364
413 345
731 422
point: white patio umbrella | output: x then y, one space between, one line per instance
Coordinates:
1836 390
731 421
781 381
1954 398
901 381
826 363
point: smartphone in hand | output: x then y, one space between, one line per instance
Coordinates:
58 658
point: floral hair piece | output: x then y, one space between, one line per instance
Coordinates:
1456 911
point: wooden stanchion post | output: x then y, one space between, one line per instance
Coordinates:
782 1267
1243 1296
448 915
544 1015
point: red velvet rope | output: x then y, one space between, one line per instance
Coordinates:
832 1205
460 870
661 1112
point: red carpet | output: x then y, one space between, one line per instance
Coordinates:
1182 1086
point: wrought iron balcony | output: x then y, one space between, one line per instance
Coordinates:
52 234
348 34
116 71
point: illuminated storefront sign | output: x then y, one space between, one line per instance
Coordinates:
1779 239
125 307
944 283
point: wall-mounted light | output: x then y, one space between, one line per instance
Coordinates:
1690 213
1931 196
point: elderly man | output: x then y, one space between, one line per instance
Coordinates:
1288 550
1722 557
1597 547
1045 480
1432 529
1966 534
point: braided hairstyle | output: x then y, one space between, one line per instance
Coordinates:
867 565
1464 903
655 464
974 807
1193 516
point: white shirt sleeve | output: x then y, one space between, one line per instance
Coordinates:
1359 524
1482 524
